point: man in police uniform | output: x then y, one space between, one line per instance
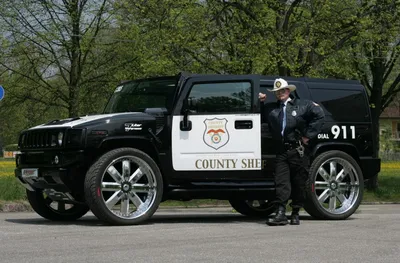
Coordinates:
292 123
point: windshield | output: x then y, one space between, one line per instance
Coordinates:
139 95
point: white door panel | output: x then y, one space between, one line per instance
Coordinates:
214 143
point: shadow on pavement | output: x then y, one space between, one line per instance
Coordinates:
84 221
160 218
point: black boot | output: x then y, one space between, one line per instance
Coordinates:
294 220
279 219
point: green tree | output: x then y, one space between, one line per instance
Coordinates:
373 58
289 38
377 55
54 51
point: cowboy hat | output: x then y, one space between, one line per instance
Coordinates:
282 84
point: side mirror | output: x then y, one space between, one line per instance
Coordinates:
185 124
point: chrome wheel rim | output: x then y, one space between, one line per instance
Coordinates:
128 187
336 186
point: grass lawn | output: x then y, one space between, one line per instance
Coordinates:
389 185
388 191
10 188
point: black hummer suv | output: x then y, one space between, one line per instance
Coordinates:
193 137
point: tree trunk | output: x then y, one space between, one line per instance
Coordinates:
75 61
73 107
372 183
375 100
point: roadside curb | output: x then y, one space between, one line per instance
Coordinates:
380 203
22 206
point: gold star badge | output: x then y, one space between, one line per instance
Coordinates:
278 84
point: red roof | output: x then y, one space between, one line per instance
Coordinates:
390 112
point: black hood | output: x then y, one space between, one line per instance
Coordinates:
91 120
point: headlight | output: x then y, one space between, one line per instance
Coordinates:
60 138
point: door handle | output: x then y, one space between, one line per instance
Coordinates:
244 124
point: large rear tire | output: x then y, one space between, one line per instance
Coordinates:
335 186
124 187
252 208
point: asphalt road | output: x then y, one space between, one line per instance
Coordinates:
204 235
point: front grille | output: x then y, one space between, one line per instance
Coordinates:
40 139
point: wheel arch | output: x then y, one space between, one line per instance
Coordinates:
144 144
348 148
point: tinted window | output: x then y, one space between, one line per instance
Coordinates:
139 95
342 105
221 97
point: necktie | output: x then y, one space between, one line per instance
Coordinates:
282 117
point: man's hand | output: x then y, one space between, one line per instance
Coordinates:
262 96
305 140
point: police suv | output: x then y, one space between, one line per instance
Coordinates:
194 137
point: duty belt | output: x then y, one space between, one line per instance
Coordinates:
298 146
290 145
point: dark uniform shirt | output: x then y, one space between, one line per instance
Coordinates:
304 118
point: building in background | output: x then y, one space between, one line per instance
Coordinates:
389 122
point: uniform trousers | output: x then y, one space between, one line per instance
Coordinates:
291 174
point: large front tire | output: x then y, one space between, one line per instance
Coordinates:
335 187
54 210
124 187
